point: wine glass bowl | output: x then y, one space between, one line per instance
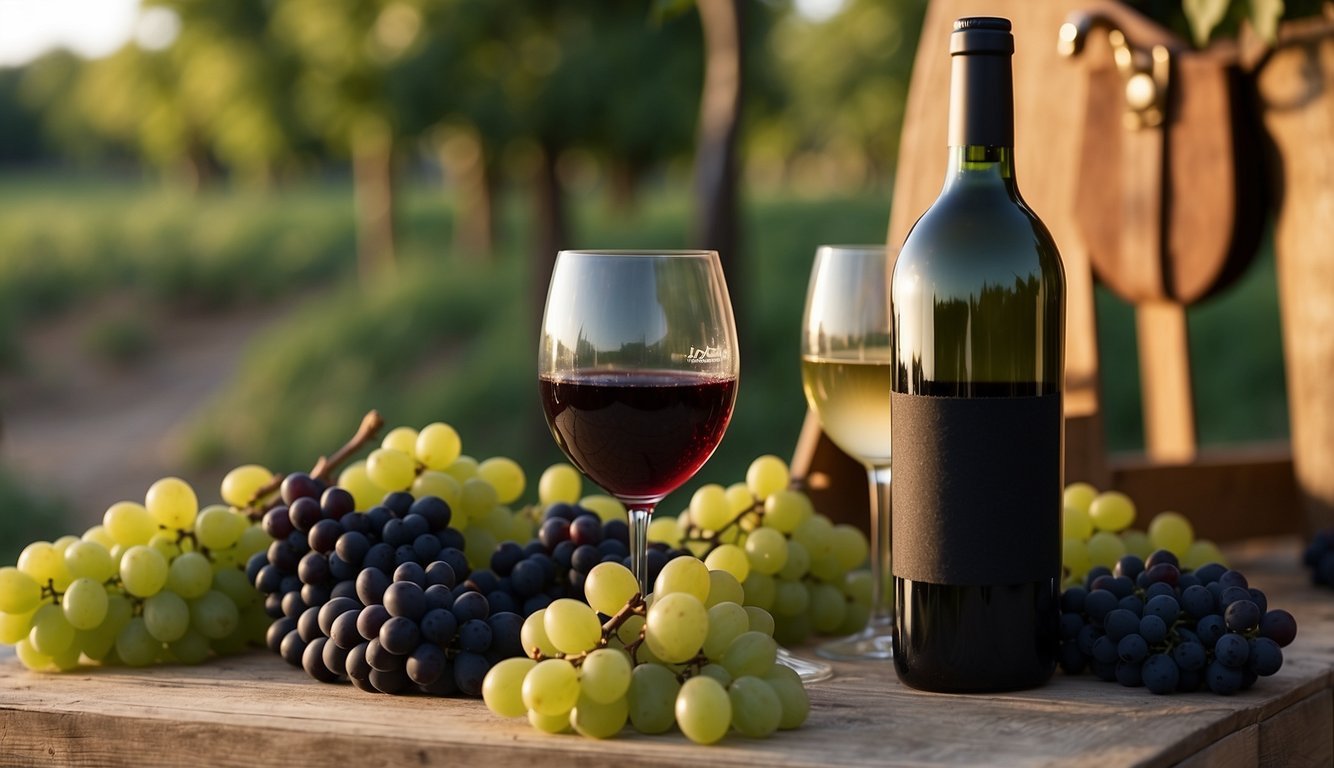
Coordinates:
637 370
846 367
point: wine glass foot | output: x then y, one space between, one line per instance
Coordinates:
809 670
874 642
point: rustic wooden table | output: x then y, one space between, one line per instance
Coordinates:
255 710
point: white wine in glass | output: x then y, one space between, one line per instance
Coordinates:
846 373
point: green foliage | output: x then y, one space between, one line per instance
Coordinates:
120 340
1204 20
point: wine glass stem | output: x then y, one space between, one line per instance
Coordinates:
882 596
639 519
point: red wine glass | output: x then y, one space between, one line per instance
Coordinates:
637 368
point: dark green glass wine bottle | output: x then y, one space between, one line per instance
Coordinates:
978 303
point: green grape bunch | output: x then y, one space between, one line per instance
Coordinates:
690 657
791 560
156 582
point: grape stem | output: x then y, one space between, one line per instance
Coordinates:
371 424
696 535
635 606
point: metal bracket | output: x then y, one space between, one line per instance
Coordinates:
1146 73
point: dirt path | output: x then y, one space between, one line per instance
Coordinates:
91 434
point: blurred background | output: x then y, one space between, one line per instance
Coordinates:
230 227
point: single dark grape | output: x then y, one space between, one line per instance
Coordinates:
269 580
450 539
395 533
380 658
561 511
434 510
340 569
1129 566
475 636
345 588
405 599
1210 572
1279 625
355 521
1189 656
426 664
277 522
377 517
1265 657
1163 573
439 626
356 665
616 530
1258 597
1132 648
1131 603
1160 673
293 605
553 532
343 632
1098 604
1119 623
278 630
1187 579
300 485
455 559
1198 601
352 547
1104 650
400 635
485 582
506 556
501 601
332 610
1210 628
471 605
1071 623
1165 607
527 578
1129 674
1222 679
1231 595
439 596
398 502
1159 589
312 660
505 629
315 594
1233 579
273 605
1232 650
411 572
585 558
281 556
392 683
304 513
337 502
535 603
1087 636
405 554
469 671
371 584
1095 573
586 529
1242 616
440 573
335 659
612 550
292 648
381 557
1161 557
370 620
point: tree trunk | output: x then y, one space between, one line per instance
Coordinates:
464 157
373 182
622 186
552 226
716 206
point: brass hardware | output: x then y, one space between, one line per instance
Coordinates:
1147 73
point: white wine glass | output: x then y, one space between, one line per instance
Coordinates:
637 368
845 372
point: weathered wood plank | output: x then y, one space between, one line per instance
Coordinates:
1164 370
256 710
1236 750
1301 735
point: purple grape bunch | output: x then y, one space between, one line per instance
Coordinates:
385 598
1319 557
1149 623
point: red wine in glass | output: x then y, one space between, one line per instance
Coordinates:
639 434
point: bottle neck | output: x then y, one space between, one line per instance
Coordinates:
981 127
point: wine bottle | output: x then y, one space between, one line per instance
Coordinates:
978 305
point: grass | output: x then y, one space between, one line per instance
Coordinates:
453 339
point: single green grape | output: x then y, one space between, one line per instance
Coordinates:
42 562
89 559
1171 531
816 534
676 626
143 571
599 719
505 475
605 675
827 608
609 586
502 688
607 508
1112 511
797 564
19 592
1076 523
218 527
129 524
739 498
135 646
166 616
729 558
1105 548
533 634
1075 556
572 626
709 508
1078 496
785 510
241 485
438 446
190 575
751 653
717 672
767 475
172 503
551 687
683 575
791 694
761 620
724 588
558 723
726 622
703 710
652 698
85 603
756 708
850 546
190 648
214 615
357 481
760 590
790 598
432 482
391 469
559 483
51 632
15 626
462 468
401 439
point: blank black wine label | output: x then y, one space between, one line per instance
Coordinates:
976 489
